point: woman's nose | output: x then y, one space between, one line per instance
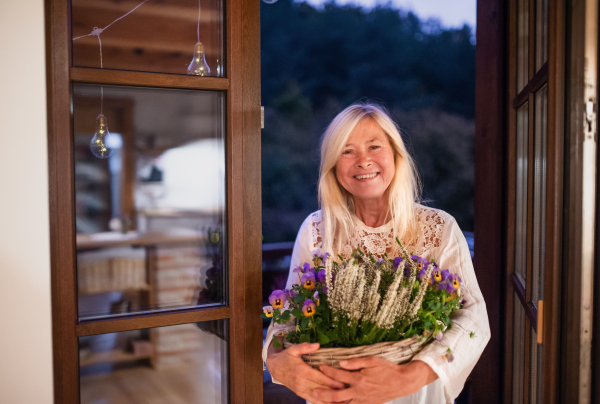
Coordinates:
364 161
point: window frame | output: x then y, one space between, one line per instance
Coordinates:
243 119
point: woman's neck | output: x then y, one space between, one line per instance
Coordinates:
373 213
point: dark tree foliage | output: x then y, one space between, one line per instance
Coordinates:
315 62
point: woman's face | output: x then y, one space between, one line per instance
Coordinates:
366 166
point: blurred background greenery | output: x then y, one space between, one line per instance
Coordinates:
317 61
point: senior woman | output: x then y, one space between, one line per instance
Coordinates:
368 193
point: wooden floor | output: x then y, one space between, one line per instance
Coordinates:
189 384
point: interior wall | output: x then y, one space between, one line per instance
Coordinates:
25 319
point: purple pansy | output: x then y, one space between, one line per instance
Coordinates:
308 280
321 276
309 308
438 336
277 299
397 261
325 256
455 280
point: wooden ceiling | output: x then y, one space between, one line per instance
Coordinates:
159 36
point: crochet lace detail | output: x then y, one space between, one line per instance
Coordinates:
380 240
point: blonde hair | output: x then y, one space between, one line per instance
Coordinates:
337 204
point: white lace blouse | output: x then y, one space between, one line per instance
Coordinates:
439 238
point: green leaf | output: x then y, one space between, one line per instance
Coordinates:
297 313
304 322
332 335
323 339
285 317
276 343
304 338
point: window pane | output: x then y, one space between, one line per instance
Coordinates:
519 325
539 194
522 44
185 363
536 368
521 191
150 217
541 33
155 37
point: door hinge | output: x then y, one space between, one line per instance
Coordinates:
540 322
590 117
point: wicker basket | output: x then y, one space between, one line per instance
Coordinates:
395 351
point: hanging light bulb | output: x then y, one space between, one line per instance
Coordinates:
101 144
198 67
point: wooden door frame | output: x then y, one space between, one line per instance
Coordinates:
242 87
553 75
486 378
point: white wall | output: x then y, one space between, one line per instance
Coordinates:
25 316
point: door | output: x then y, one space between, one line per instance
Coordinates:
534 199
154 154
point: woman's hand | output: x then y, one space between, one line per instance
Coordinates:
375 380
288 368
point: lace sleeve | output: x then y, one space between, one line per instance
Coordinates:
472 318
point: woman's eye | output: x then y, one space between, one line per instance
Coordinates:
347 152
375 147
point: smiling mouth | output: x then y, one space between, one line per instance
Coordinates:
366 176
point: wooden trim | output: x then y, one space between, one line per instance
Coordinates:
150 321
554 200
252 199
235 185
60 161
159 80
538 80
490 213
510 200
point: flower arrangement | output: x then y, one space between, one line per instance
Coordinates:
364 301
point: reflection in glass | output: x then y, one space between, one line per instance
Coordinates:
150 218
522 44
539 193
185 363
157 36
521 191
541 33
519 325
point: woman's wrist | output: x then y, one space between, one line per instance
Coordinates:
425 374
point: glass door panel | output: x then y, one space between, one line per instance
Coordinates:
541 33
149 36
522 44
185 363
522 191
150 209
539 194
518 371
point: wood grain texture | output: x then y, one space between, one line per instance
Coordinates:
139 322
554 200
252 199
60 162
489 260
159 80
235 186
